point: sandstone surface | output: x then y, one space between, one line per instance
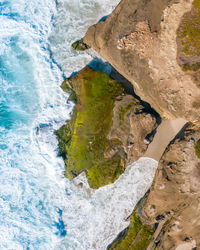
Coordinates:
140 40
155 45
172 208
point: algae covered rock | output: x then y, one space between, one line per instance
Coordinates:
92 119
97 138
80 45
137 236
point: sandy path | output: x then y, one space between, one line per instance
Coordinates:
165 133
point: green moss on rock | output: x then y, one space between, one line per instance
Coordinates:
136 237
189 31
197 149
80 45
64 135
124 110
83 140
67 88
193 67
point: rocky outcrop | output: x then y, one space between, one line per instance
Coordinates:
172 208
140 40
155 45
107 131
175 194
80 45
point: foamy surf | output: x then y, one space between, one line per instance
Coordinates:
71 22
40 209
32 105
114 203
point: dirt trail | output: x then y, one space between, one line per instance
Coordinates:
165 134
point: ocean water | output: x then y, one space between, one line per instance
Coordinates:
39 208
71 23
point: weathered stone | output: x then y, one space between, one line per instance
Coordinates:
139 40
97 139
80 45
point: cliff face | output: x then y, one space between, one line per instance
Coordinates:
101 137
169 218
140 40
155 45
174 199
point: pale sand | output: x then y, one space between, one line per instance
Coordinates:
187 246
165 134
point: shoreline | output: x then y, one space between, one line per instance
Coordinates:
147 58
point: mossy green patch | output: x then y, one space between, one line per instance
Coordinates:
67 88
189 31
197 149
83 140
137 237
193 67
64 134
80 45
124 110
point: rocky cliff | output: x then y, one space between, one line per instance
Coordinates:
155 45
170 215
141 40
101 137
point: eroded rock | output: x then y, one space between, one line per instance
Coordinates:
105 133
140 40
172 207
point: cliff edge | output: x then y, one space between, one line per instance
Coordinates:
101 138
147 42
155 45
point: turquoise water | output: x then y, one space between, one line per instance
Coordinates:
39 208
31 106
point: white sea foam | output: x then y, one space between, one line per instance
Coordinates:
32 105
37 203
111 205
71 22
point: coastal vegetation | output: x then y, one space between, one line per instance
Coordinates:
189 31
189 36
83 141
197 149
137 236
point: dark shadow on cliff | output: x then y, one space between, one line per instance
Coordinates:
128 87
99 65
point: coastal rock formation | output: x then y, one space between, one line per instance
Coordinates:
155 45
176 193
140 39
107 130
170 215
